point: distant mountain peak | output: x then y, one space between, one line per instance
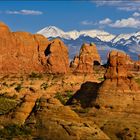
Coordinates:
52 31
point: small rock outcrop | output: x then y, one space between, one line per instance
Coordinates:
88 57
57 57
119 90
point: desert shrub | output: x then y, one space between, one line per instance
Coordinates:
5 84
63 98
32 89
12 84
7 104
60 98
69 94
6 95
3 94
137 80
18 87
44 86
101 79
13 130
124 134
35 75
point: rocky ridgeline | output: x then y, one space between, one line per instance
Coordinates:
22 52
87 58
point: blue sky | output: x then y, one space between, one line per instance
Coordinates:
112 16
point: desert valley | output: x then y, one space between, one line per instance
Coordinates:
45 96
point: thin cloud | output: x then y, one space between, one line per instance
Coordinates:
107 2
86 22
128 8
136 14
105 21
126 23
24 12
125 5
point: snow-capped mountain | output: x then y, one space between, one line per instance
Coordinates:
125 37
53 31
130 43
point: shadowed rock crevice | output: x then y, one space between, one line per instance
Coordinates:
47 51
96 63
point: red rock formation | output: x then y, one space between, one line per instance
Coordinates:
119 90
117 65
57 57
22 52
87 58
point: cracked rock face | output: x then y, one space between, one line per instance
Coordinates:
88 57
119 91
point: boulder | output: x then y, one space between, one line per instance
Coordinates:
88 57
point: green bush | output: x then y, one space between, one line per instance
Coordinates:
60 98
7 104
69 94
5 84
18 87
137 80
13 130
101 79
12 84
35 75
44 86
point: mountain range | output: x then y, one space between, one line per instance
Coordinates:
129 43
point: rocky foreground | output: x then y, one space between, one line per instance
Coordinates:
44 96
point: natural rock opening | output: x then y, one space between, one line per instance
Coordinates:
47 51
96 63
